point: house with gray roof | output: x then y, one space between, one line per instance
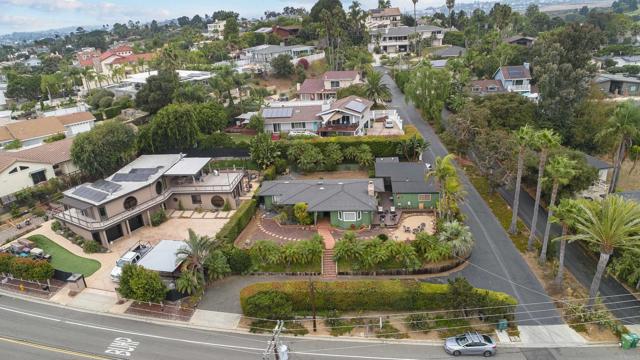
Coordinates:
111 208
407 184
263 54
618 84
449 52
348 203
396 39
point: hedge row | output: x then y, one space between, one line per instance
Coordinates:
375 295
27 269
112 112
237 222
381 146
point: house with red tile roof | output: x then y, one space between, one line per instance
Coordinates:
326 86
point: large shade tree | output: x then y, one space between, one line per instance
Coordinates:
103 150
610 224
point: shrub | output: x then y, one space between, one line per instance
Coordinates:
270 173
30 269
56 226
15 144
38 212
112 112
158 217
269 305
54 138
418 322
281 166
5 262
388 331
375 295
237 222
239 260
138 283
301 214
380 146
91 246
226 206
266 252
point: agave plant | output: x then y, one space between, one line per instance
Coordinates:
457 236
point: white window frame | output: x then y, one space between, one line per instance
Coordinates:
298 125
357 215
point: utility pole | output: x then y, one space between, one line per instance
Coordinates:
280 351
312 291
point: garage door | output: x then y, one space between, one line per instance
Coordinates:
114 233
136 223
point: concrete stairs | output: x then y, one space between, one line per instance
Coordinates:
329 266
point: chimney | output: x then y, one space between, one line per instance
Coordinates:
297 86
526 65
325 106
371 189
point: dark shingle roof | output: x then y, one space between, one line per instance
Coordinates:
324 195
406 177
451 51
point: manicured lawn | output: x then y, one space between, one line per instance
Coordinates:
238 138
499 208
64 260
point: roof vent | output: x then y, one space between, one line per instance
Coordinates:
321 188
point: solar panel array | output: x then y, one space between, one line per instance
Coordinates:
106 185
270 113
515 72
148 171
355 106
90 194
133 177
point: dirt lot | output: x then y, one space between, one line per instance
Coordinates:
629 181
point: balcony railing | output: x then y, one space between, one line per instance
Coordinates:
518 88
75 217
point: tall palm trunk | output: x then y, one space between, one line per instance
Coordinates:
532 235
547 228
617 161
563 247
513 228
595 283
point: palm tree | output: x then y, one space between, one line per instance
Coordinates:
544 140
523 137
190 282
375 89
612 223
623 126
450 5
415 25
561 170
445 175
563 213
89 75
195 252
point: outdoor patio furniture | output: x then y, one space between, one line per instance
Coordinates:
380 209
406 229
393 209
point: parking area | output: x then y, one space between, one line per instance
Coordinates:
172 229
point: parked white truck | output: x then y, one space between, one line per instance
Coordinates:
132 256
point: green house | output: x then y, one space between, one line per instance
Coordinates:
407 184
348 203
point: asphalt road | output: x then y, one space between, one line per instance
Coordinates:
582 266
35 331
495 262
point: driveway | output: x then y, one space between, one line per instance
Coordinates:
495 262
172 229
622 304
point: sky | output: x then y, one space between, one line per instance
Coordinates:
33 15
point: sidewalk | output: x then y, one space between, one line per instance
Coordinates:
104 302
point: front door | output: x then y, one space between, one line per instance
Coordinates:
114 232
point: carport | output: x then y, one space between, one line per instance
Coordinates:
162 258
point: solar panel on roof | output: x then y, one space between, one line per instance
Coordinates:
515 72
148 171
106 185
88 193
270 113
355 106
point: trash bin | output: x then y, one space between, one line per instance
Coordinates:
635 339
626 341
503 324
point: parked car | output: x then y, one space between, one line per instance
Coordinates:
388 123
470 343
130 257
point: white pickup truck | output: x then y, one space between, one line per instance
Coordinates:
130 257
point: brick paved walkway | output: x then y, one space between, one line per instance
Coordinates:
329 266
